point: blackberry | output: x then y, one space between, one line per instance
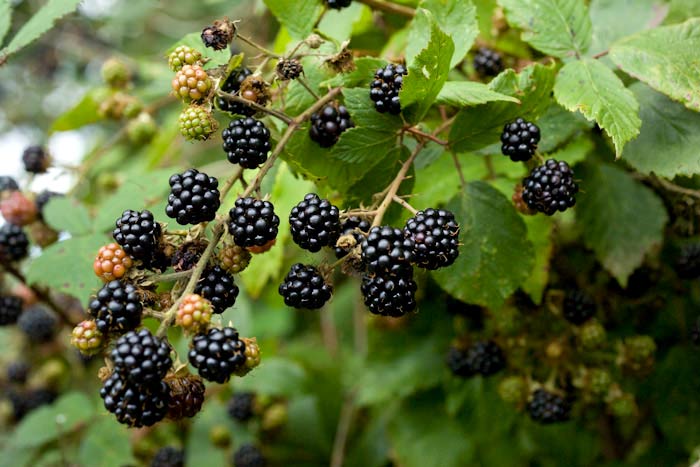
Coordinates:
486 358
30 400
18 209
546 407
578 307
217 286
688 263
392 295
253 222
487 62
17 372
232 85
38 324
550 187
385 248
36 160
384 89
459 363
328 123
86 338
351 226
314 223
141 358
435 237
8 183
194 197
183 55
196 123
10 309
133 404
116 307
240 406
246 142
191 83
304 287
140 235
115 73
519 140
248 455
217 354
219 35
338 4
186 396
14 244
234 258
169 456
288 69
193 313
42 199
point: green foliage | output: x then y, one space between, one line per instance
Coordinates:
298 16
5 18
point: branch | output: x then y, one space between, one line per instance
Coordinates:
254 105
257 46
390 7
422 134
403 203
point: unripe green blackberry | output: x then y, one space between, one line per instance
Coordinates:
115 73
623 405
197 123
87 338
592 335
638 354
142 129
234 258
191 84
513 390
183 55
598 381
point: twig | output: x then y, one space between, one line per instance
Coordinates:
275 113
390 7
458 166
303 82
403 203
255 45
675 188
347 412
435 139
601 54
173 276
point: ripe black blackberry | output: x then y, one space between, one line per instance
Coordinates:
169 456
141 358
386 247
578 307
314 223
391 295
253 222
435 237
288 69
194 197
546 407
241 405
232 85
10 309
8 183
384 89
24 402
519 140
246 142
135 405
38 324
487 62
36 160
116 307
328 123
550 187
248 455
486 358
304 287
14 244
338 4
459 363
17 372
139 235
42 199
217 286
688 263
217 354
351 226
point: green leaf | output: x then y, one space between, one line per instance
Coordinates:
539 232
107 441
276 377
615 19
666 59
357 145
426 74
42 21
681 10
555 27
574 152
364 115
361 76
622 219
495 256
5 18
593 89
558 125
67 214
298 16
81 114
467 93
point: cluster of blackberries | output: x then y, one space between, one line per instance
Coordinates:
487 62
328 123
485 358
550 188
384 89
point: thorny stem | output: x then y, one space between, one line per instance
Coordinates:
390 7
275 113
403 203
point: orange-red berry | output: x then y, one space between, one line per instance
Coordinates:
111 262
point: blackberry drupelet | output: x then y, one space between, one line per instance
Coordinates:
578 307
487 62
17 372
384 89
42 199
186 396
435 237
10 309
338 4
240 406
169 456
546 407
217 286
232 85
133 404
141 358
217 354
314 223
116 307
194 197
328 123
38 324
486 358
253 222
304 287
36 160
391 295
14 244
8 183
519 140
384 248
688 263
248 455
289 69
550 187
351 226
139 235
246 142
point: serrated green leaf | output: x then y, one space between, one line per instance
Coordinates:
558 125
298 16
574 152
666 59
593 89
298 98
107 441
338 24
556 27
467 93
67 214
613 208
5 18
615 19
539 232
276 377
364 115
83 113
357 145
495 255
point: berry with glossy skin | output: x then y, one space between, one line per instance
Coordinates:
186 396
191 83
352 226
384 89
314 223
289 69
487 62
219 35
459 363
194 313
246 142
135 405
234 258
249 455
197 123
14 244
183 55
338 4
8 183
304 287
139 235
217 286
688 262
232 85
240 406
217 354
391 295
18 209
38 324
328 123
141 358
17 372
385 247
194 197
550 187
486 358
111 263
36 160
10 309
87 338
519 140
116 307
578 307
169 456
253 222
546 407
42 199
435 237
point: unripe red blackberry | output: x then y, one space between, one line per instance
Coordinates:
183 55
194 197
217 286
338 4
135 405
384 248
111 263
18 209
14 244
87 338
519 140
254 88
249 455
232 85
246 142
38 324
304 287
253 222
435 238
8 183
10 309
550 187
186 396
42 199
191 84
688 262
36 160
217 354
314 223
328 124
578 307
487 62
194 313
391 295
459 363
116 307
197 123
141 358
169 456
140 235
219 35
384 89
234 258
486 358
240 406
546 407
289 69
352 226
